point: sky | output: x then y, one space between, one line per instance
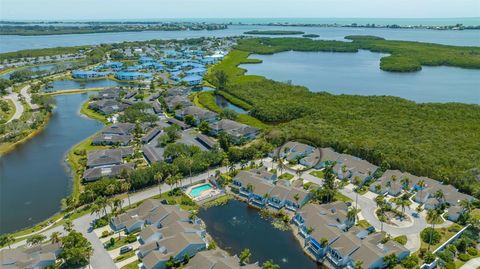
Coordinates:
161 9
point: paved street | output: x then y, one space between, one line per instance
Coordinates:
16 101
472 264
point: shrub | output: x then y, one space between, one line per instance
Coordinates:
430 235
100 223
472 251
463 257
402 239
450 265
428 257
105 233
131 238
410 262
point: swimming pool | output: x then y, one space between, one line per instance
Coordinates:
197 191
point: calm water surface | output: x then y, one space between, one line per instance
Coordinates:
224 103
235 226
15 42
58 85
34 177
359 74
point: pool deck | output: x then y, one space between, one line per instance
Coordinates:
206 195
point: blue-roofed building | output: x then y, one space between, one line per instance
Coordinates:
133 68
193 80
132 75
144 60
199 71
192 65
157 66
80 74
170 53
208 60
112 65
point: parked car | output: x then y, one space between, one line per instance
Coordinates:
125 249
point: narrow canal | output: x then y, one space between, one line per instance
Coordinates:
235 226
35 177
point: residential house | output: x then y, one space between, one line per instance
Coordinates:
294 151
151 155
116 170
349 166
107 106
193 80
216 259
206 141
327 157
41 256
151 135
239 132
176 102
198 114
107 157
133 75
326 233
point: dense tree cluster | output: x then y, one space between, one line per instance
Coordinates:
434 140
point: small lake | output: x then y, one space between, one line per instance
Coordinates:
225 104
359 74
66 84
235 226
35 177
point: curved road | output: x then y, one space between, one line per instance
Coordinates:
13 96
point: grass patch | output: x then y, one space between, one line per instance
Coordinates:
207 100
132 265
318 174
445 233
222 200
124 256
402 239
7 115
76 158
340 197
286 176
92 114
363 223
177 197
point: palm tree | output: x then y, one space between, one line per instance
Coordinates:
126 188
466 205
433 216
6 240
380 201
170 180
440 196
403 202
421 185
158 177
352 215
68 225
243 164
36 239
55 237
117 203
270 265
245 256
358 264
405 183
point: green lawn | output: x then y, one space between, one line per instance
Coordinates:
286 176
125 256
363 223
318 174
446 233
6 115
92 114
341 197
133 265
